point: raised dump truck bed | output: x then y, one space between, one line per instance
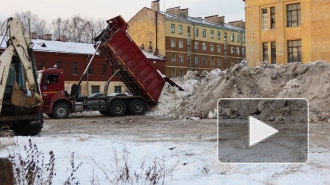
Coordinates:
136 71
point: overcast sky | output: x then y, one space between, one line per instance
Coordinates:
106 9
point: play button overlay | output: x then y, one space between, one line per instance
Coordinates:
259 131
263 130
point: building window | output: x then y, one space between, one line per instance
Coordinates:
264 19
95 88
58 65
172 28
232 37
74 68
204 61
41 65
104 69
204 32
181 73
173 73
211 47
211 34
117 89
232 50
196 60
90 69
196 45
173 43
243 51
219 62
181 59
237 50
180 43
196 31
273 52
172 57
232 63
180 29
238 38
265 51
219 48
294 51
243 38
204 46
272 17
293 15
219 35
212 61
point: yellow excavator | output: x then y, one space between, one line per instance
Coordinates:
20 100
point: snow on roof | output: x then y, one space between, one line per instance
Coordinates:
68 47
202 21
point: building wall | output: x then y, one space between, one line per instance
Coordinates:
142 29
49 59
313 30
176 67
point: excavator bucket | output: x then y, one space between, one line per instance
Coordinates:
20 99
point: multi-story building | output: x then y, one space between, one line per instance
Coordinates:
284 31
188 43
73 59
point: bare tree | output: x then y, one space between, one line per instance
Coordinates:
76 28
93 28
59 27
37 25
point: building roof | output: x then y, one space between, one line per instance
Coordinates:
67 47
199 20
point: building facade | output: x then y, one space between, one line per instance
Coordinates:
188 43
73 59
284 31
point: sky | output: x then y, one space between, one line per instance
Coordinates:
105 9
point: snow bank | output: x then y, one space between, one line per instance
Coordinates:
201 91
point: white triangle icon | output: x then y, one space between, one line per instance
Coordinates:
259 131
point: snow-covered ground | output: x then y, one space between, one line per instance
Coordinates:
189 156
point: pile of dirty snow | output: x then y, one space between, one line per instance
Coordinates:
202 91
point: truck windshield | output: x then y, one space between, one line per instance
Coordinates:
39 77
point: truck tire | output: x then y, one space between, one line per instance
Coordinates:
137 107
61 111
117 108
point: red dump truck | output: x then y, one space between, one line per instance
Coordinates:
129 63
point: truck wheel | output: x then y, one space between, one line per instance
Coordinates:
50 115
117 108
104 112
137 107
61 111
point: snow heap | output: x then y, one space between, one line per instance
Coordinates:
202 91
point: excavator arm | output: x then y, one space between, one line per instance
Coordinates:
21 46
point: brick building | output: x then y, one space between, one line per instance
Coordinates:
188 43
73 59
284 31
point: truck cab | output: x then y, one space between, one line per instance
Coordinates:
57 102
